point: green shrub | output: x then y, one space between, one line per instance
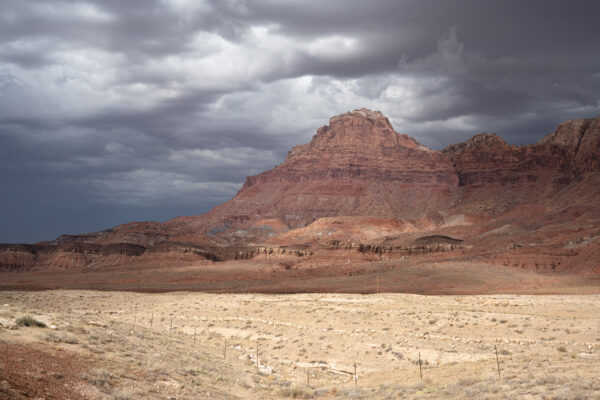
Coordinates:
30 321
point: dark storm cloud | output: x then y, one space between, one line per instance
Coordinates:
147 109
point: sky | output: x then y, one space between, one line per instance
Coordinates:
114 111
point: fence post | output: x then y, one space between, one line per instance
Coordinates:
307 378
420 369
497 361
355 379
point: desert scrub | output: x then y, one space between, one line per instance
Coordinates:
52 337
98 377
296 393
30 321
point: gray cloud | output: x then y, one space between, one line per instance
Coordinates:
112 111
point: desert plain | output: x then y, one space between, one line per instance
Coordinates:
182 345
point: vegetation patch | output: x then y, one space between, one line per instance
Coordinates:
29 321
297 393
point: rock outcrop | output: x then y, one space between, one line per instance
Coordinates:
495 177
79 254
357 165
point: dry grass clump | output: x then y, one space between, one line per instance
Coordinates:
296 392
127 395
98 377
29 321
53 337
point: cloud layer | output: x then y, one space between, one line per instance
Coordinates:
148 109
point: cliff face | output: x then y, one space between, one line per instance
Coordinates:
77 253
357 165
579 141
494 176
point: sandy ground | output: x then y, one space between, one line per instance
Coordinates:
194 345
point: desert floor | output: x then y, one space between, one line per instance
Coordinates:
196 345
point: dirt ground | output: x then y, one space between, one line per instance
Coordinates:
121 345
322 275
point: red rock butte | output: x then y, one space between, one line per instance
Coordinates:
362 187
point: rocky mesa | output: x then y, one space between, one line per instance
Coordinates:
360 183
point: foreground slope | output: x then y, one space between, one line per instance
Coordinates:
201 346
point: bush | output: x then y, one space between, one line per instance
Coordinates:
98 377
30 321
296 393
60 338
